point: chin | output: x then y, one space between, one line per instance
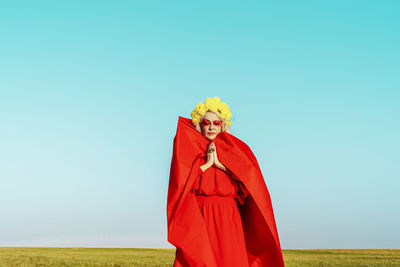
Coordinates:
211 137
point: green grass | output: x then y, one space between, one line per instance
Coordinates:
342 257
43 256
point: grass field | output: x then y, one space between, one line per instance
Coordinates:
43 256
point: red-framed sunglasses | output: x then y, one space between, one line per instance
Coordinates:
206 122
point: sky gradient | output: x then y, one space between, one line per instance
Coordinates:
90 94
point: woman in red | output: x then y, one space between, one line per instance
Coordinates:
219 211
218 195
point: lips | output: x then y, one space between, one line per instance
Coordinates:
210 133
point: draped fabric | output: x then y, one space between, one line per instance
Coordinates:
215 181
218 195
188 229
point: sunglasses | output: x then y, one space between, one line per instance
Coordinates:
206 122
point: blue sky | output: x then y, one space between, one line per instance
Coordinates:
90 94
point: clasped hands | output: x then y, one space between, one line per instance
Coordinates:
212 158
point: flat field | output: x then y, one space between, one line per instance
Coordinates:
77 256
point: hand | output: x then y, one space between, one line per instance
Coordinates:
210 155
216 160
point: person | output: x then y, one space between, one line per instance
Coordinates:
218 208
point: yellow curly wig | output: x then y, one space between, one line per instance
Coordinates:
214 105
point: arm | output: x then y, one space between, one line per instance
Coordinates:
221 166
218 164
205 166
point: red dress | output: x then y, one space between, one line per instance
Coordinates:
187 227
218 196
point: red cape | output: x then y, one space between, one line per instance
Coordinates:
186 228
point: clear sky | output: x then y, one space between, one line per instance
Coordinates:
91 91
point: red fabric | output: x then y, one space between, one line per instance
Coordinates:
216 192
187 228
222 218
215 181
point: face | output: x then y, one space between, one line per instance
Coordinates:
211 125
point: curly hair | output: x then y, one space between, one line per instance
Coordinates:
215 105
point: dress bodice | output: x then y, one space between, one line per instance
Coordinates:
215 181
